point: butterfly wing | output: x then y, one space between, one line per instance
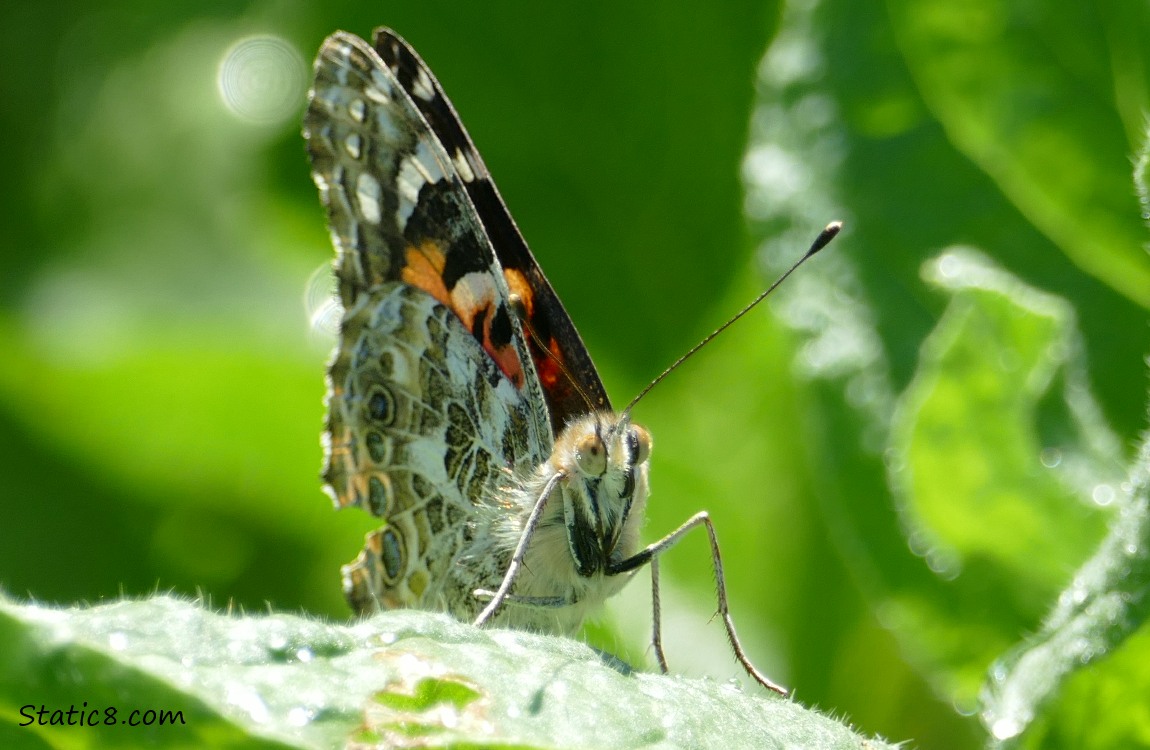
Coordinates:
569 378
433 395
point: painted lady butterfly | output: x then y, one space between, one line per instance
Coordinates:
463 407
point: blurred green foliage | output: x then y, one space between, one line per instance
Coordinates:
907 458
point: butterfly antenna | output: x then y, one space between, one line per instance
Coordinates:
521 312
820 242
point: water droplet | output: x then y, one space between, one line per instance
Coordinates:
943 563
1050 457
947 266
919 543
249 701
1102 494
448 716
1079 646
118 641
299 716
1005 728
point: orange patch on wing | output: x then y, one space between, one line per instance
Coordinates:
548 367
476 296
518 286
550 373
424 270
473 296
508 361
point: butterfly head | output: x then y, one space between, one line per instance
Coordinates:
603 458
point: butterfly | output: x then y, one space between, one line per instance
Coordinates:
462 405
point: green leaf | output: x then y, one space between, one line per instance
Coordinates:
1090 657
982 375
1022 91
999 460
1097 619
964 463
400 679
1142 177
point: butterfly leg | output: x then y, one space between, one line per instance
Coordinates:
504 591
652 551
657 617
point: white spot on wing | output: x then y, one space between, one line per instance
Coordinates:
353 144
422 86
427 161
415 171
463 166
357 109
382 88
475 291
407 183
389 130
367 195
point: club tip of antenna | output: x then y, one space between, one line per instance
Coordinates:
824 238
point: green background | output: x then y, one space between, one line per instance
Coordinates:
160 386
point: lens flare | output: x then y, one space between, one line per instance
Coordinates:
262 79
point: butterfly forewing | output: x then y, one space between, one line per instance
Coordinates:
561 358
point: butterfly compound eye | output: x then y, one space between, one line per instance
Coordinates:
591 455
639 442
